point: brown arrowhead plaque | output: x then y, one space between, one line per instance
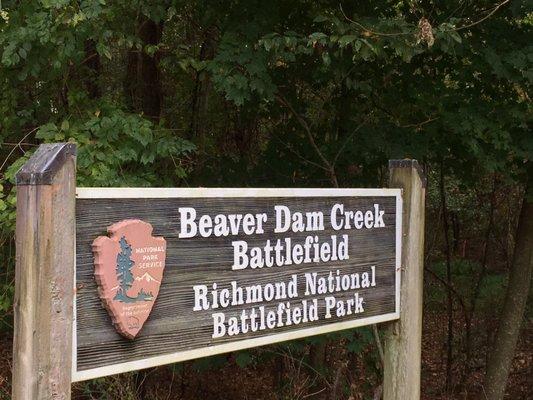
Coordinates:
128 267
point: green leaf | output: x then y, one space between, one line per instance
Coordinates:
347 39
321 18
455 35
47 131
243 359
317 37
326 59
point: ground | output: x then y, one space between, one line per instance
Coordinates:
271 381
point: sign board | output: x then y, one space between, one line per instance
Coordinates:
197 272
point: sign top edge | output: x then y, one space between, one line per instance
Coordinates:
131 192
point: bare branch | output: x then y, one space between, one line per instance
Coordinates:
493 10
17 146
370 30
327 165
419 124
299 155
347 140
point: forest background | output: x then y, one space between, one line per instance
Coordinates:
298 94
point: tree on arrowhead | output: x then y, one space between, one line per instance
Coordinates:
124 266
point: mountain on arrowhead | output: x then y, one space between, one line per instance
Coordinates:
146 277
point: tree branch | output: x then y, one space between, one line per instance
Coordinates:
327 165
347 140
369 30
17 146
496 8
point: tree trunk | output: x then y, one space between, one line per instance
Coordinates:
480 279
317 360
199 104
92 62
502 353
202 88
449 308
142 84
130 81
150 82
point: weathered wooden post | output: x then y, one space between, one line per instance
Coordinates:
403 340
44 280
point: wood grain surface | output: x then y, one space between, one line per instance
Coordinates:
403 338
44 277
173 326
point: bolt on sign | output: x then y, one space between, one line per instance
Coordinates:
166 275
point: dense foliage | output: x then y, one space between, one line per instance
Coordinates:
277 93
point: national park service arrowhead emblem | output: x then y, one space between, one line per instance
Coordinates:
128 267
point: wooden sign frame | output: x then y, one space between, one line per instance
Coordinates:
200 193
45 281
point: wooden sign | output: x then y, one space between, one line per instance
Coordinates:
226 269
242 268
